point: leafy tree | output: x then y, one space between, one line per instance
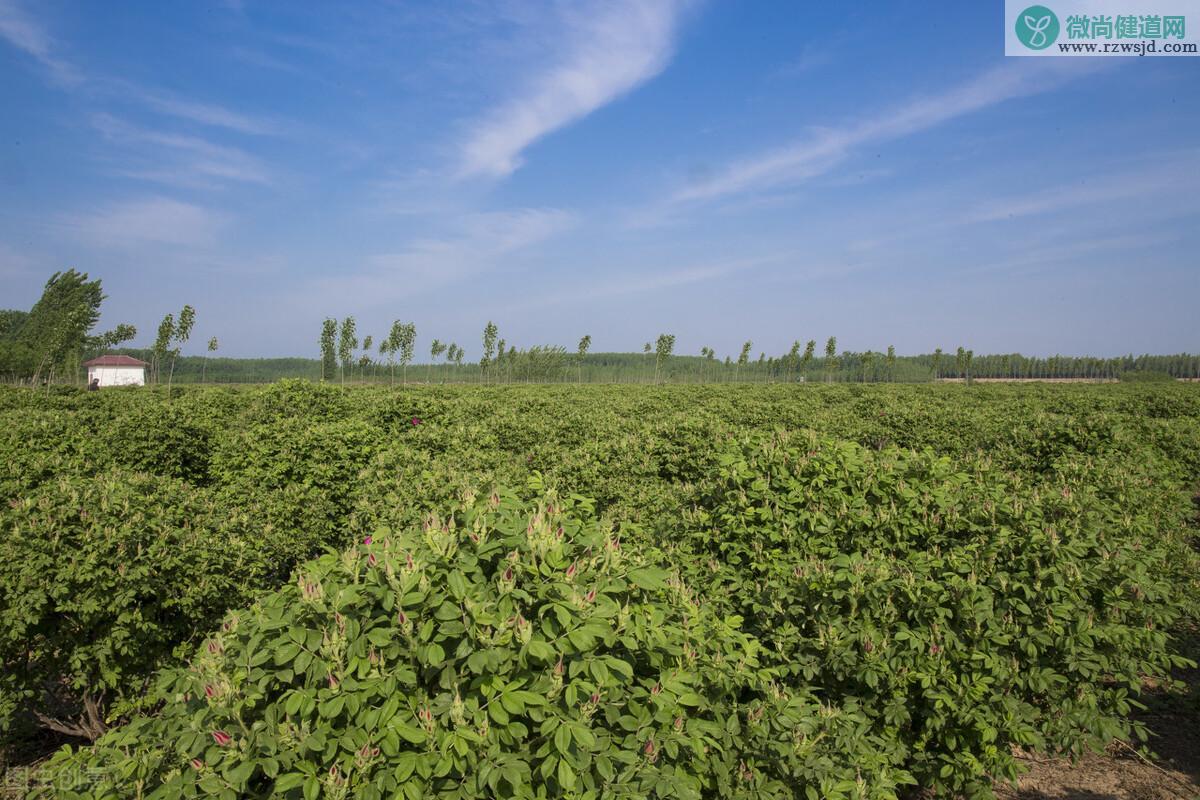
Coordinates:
584 344
646 350
162 344
960 363
183 330
435 350
502 359
365 359
53 335
387 347
831 362
891 363
406 341
212 348
347 344
489 348
662 351
937 364
810 350
793 359
743 358
329 331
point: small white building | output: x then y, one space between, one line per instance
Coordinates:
117 371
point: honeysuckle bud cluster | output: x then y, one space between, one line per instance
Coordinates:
458 711
426 720
441 535
310 589
588 707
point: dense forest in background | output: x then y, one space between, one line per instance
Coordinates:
637 368
50 342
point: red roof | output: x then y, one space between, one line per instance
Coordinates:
115 361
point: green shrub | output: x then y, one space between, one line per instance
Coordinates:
503 651
100 579
966 609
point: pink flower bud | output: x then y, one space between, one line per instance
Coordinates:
221 738
558 668
367 540
209 691
508 574
649 748
679 723
197 764
591 596
571 571
371 559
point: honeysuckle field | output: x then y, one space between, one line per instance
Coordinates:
587 591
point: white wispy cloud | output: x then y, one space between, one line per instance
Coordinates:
206 113
827 147
151 220
1170 177
475 244
612 49
178 159
24 33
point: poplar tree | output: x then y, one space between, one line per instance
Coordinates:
937 364
489 348
347 343
891 363
662 351
435 350
646 349
742 359
365 359
406 341
584 344
212 348
162 343
831 362
810 350
183 329
328 344
793 359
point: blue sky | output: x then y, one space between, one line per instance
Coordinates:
717 170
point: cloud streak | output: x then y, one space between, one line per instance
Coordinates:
196 161
26 35
612 51
826 148
152 220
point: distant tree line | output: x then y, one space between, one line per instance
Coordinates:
50 342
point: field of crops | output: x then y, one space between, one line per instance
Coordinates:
765 591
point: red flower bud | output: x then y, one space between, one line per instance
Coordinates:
367 540
591 596
649 748
197 764
571 571
371 559
558 668
221 738
508 574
